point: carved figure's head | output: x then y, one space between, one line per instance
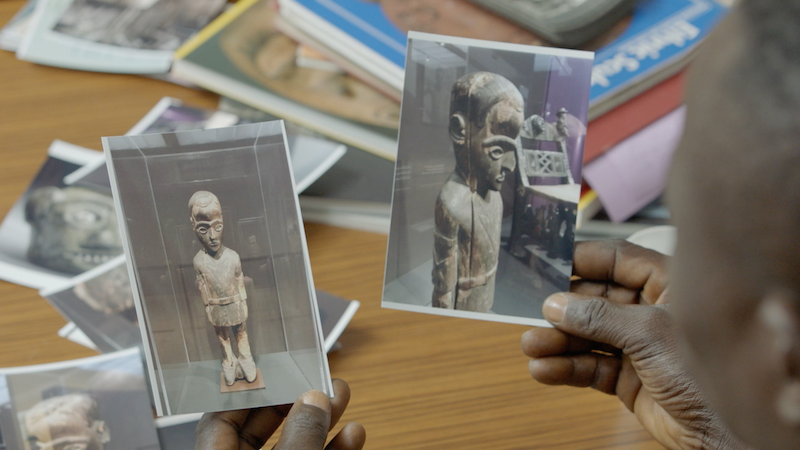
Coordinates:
486 115
74 229
206 216
67 422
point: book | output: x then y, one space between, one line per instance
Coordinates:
241 56
372 35
656 43
588 206
486 188
113 36
620 123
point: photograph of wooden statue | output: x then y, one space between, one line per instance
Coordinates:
487 178
486 114
221 284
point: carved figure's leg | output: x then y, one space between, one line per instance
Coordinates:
229 363
245 357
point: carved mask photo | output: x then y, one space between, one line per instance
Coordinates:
74 229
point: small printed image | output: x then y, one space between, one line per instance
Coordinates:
76 405
55 231
143 24
100 303
219 267
488 178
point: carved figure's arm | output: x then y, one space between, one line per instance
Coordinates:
201 284
240 280
445 258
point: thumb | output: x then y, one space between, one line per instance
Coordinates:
597 319
306 426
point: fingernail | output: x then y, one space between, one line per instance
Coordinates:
316 398
555 307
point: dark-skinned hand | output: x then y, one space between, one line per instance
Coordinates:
613 333
308 422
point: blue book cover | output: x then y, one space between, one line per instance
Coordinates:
365 21
659 32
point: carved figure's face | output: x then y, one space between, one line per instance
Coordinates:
74 229
207 221
492 146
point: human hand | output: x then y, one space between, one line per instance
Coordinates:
308 422
614 334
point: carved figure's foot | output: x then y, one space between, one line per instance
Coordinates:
229 372
249 368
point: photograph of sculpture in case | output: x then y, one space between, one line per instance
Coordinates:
219 267
487 179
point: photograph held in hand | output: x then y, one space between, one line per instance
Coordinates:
486 186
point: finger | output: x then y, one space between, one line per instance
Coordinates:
623 326
585 370
351 437
341 397
623 263
220 430
307 424
261 425
542 342
613 292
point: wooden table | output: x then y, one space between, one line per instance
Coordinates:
418 381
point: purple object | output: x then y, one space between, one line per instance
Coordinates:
634 173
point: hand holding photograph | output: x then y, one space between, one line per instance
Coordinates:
487 180
219 267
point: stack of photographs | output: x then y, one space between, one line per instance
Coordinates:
77 405
219 267
488 178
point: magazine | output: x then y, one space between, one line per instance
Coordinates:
243 57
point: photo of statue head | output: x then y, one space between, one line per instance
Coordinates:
486 115
66 422
73 229
221 284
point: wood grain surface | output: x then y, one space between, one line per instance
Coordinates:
417 381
